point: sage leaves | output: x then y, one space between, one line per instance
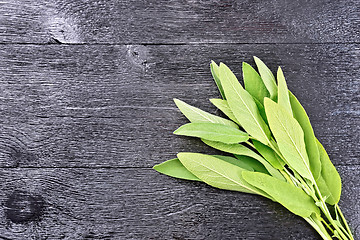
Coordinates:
225 108
253 83
309 136
270 148
330 179
289 137
215 73
243 105
283 92
216 172
291 197
267 77
197 115
242 150
174 168
213 131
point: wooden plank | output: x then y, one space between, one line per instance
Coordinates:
142 137
133 21
142 204
112 105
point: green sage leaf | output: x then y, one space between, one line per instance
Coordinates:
215 73
235 161
213 131
253 83
289 137
197 115
267 77
239 149
252 162
291 197
268 154
283 92
261 109
310 139
243 106
174 168
224 107
217 173
329 182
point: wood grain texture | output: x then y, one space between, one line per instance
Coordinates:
86 109
185 21
111 106
142 204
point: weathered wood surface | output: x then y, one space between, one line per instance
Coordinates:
200 21
112 105
82 123
142 204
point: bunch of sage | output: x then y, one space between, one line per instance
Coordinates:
274 151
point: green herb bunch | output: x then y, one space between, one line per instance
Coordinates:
275 153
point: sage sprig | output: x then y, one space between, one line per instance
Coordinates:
275 151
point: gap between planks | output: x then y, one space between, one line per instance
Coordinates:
177 43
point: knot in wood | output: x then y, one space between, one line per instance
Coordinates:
22 207
137 56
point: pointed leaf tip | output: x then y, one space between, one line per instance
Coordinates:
283 92
197 115
253 83
267 77
174 168
215 73
245 64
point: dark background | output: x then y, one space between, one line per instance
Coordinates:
86 110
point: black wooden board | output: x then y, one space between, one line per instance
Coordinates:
142 204
184 21
86 110
112 105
